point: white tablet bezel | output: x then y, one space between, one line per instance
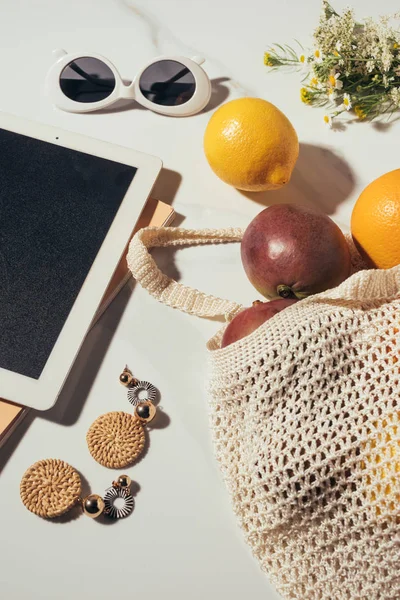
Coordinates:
42 393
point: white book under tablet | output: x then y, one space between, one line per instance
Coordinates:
68 205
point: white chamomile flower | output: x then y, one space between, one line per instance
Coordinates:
331 92
334 82
347 101
318 57
328 121
303 62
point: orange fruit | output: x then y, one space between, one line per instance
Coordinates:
375 222
250 144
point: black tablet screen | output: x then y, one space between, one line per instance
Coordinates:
56 207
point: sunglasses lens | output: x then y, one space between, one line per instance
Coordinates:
87 79
167 82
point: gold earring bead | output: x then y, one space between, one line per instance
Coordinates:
127 379
145 411
123 481
93 505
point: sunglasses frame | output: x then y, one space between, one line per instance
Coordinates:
195 104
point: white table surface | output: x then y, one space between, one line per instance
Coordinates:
182 540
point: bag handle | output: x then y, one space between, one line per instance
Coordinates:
165 289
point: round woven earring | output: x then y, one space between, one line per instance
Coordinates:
51 487
117 439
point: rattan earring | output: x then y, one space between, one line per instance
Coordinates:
51 487
117 439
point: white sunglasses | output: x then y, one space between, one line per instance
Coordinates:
174 86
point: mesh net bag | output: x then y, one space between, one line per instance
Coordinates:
305 417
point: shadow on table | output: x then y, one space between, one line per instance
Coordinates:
10 445
383 124
219 93
73 396
165 259
321 179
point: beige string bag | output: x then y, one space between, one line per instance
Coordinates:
306 423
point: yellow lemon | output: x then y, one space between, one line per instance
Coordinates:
251 145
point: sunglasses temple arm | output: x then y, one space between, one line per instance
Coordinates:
199 60
182 73
88 77
59 53
161 85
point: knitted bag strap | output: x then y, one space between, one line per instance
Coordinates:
165 289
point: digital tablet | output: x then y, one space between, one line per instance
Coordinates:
68 205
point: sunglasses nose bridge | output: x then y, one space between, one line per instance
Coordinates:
127 91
